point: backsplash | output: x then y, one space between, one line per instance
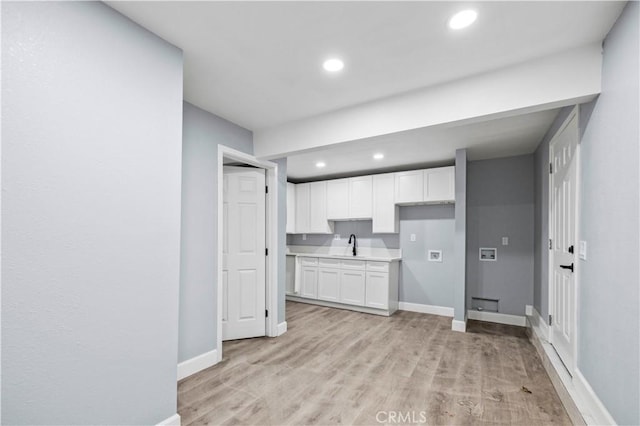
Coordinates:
362 230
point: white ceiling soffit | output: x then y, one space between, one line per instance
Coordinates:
431 146
258 64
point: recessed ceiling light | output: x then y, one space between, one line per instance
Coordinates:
378 156
333 65
462 19
320 164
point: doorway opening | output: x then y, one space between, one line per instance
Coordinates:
564 175
248 259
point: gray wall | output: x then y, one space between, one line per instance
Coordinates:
91 131
421 281
500 201
361 228
608 340
201 135
460 242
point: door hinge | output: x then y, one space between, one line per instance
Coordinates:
266 189
550 168
266 313
266 252
550 244
550 319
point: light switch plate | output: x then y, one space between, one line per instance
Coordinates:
582 250
413 237
505 241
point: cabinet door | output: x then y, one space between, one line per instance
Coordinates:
328 284
291 208
360 197
385 211
302 208
352 287
318 223
338 199
377 290
309 282
290 275
439 185
409 187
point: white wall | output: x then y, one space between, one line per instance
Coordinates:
562 79
91 143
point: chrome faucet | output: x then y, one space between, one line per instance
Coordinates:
354 242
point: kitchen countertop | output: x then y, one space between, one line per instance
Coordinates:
364 253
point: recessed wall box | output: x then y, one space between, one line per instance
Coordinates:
488 254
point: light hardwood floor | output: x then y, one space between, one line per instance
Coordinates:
341 367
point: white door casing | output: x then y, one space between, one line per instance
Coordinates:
243 269
563 230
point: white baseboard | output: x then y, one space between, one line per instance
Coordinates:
282 328
198 363
457 325
599 413
497 318
590 407
426 309
539 325
171 421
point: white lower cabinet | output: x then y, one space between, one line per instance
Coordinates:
356 284
309 282
352 285
377 290
329 284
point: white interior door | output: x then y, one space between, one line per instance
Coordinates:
563 199
243 270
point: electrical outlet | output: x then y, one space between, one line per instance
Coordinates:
304 237
505 241
413 237
336 236
582 250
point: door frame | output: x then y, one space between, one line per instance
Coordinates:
271 238
575 113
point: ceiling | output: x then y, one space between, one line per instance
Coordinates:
258 64
429 146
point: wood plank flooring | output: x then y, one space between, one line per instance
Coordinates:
340 367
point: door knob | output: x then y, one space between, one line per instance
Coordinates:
569 267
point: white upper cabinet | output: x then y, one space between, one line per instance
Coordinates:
338 199
350 198
439 185
302 208
376 197
291 208
318 222
409 187
385 211
360 197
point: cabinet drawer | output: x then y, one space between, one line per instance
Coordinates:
309 261
353 264
377 266
329 263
